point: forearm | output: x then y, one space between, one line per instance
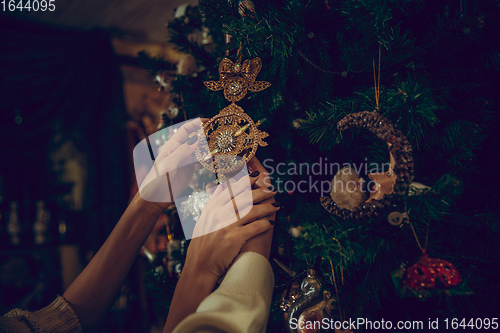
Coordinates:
241 303
91 294
192 288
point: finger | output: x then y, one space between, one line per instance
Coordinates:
179 155
256 228
210 188
215 190
218 190
262 194
243 184
181 136
264 180
243 203
270 201
224 216
255 164
257 212
238 188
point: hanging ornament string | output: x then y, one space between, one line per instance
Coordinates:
377 83
245 8
183 108
341 262
227 40
427 235
415 234
341 277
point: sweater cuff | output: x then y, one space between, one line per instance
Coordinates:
59 317
250 272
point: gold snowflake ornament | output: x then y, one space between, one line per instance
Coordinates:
232 136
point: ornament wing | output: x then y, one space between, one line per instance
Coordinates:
258 86
251 68
214 85
262 135
226 68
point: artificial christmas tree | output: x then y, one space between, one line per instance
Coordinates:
435 95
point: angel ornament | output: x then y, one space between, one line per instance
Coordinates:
232 136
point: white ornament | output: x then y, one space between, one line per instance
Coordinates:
396 218
295 231
417 189
194 204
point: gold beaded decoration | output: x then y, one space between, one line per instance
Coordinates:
232 132
237 79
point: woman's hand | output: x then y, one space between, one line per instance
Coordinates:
226 224
211 253
174 166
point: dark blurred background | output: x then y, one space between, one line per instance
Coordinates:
74 102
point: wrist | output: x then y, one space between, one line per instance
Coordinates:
199 276
151 208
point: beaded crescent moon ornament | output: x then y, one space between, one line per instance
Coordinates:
232 135
400 176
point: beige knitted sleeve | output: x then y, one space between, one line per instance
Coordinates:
58 317
240 304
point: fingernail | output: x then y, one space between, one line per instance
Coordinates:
254 174
271 221
276 204
192 140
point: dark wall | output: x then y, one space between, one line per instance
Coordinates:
58 85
